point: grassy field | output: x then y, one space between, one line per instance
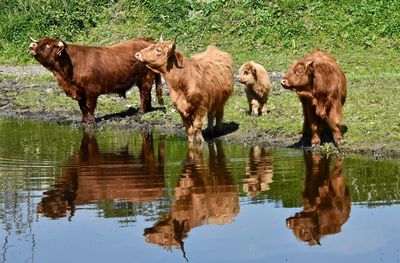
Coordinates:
363 35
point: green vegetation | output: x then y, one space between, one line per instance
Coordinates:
363 35
263 30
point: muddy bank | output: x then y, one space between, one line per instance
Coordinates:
24 96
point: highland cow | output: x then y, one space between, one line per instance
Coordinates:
257 86
86 72
326 200
321 86
205 194
92 174
199 86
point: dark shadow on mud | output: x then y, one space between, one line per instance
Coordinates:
326 137
131 111
227 128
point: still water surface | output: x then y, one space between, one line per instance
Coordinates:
121 196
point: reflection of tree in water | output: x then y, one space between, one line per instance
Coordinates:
91 175
205 194
326 200
17 216
258 171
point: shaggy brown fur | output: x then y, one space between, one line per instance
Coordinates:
326 200
85 72
205 194
321 86
92 174
199 86
257 86
259 171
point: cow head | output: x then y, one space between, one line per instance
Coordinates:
247 74
47 50
160 57
299 75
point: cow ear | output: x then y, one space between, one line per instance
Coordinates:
310 65
179 60
61 47
254 71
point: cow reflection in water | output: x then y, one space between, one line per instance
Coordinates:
91 175
205 194
258 171
326 200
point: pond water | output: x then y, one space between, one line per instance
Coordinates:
68 195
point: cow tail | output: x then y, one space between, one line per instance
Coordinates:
159 92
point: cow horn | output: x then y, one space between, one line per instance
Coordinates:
176 36
32 39
161 37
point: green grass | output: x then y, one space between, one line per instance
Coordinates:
363 35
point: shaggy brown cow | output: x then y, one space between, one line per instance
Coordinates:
92 175
205 194
257 83
199 86
326 200
321 86
86 72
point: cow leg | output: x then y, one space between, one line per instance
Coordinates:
144 85
305 103
333 119
263 108
316 131
219 115
254 107
159 92
197 124
87 106
187 122
210 124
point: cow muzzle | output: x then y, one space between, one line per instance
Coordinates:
285 83
138 56
32 48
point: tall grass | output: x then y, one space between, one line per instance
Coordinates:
246 27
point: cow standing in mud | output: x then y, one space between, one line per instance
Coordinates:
86 72
321 86
199 86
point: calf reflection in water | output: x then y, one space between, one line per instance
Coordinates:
326 200
258 171
91 175
205 194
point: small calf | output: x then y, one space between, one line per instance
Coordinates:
257 86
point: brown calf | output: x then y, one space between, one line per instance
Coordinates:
257 83
86 72
199 86
321 86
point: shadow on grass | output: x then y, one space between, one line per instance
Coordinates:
127 113
326 137
227 128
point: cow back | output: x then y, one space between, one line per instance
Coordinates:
108 69
213 70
